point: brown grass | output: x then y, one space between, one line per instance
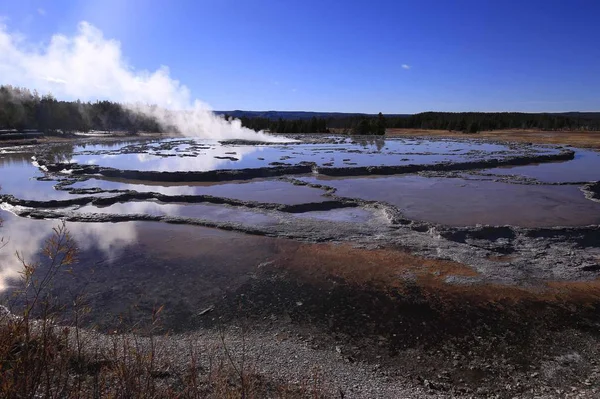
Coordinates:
584 139
392 269
39 358
377 267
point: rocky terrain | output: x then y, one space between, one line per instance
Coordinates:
377 303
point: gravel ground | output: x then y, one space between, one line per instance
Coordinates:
282 355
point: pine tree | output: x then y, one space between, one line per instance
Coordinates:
380 125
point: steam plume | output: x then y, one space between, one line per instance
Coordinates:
89 67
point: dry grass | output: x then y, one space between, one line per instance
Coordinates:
38 358
394 270
378 267
41 358
584 139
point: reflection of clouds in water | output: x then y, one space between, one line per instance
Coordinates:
188 158
145 157
18 177
201 162
27 236
21 237
261 191
110 238
117 185
214 213
136 207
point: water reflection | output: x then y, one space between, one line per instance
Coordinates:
266 191
127 269
20 177
197 155
27 237
461 202
219 157
110 145
214 213
371 141
585 167
15 159
60 153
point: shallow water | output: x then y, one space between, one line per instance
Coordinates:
214 213
584 168
128 268
460 202
266 191
465 201
139 264
19 177
203 155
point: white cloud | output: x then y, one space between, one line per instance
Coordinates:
89 67
41 11
55 80
405 66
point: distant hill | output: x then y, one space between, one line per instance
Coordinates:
581 115
323 122
297 115
302 115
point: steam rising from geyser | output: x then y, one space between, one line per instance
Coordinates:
89 67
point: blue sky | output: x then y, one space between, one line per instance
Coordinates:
350 56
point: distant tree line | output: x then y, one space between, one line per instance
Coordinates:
364 125
21 109
312 125
467 122
472 122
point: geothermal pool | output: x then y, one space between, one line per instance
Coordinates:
447 182
180 221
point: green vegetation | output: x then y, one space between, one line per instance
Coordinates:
472 122
355 124
371 126
467 122
312 125
22 110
